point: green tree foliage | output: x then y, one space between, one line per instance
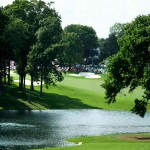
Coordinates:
108 47
39 11
3 24
17 35
27 30
118 29
73 49
131 66
45 51
87 36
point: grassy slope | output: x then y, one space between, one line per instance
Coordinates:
90 92
72 93
107 143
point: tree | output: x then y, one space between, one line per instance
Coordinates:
131 66
87 36
45 51
73 49
17 35
39 10
108 47
118 29
31 13
34 30
3 24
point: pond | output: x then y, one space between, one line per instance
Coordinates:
50 128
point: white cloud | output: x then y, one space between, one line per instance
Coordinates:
100 14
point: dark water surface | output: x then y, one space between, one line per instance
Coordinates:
34 129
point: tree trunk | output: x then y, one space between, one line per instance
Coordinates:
21 82
30 93
24 84
9 73
85 62
0 84
70 66
32 84
41 86
1 68
4 73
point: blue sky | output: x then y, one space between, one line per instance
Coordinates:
100 14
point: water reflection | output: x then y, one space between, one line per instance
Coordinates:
34 129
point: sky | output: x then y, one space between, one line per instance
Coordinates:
99 14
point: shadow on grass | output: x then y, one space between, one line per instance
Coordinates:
15 99
56 101
11 98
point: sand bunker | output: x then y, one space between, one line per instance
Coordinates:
12 73
93 76
75 75
86 74
89 75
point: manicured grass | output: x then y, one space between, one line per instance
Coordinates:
112 142
90 92
72 93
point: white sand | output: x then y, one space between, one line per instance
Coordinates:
86 74
12 72
75 75
89 75
93 76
